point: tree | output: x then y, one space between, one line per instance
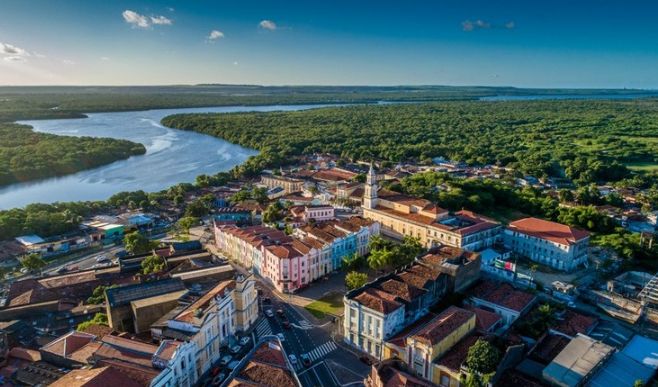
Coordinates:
260 195
99 319
187 222
153 264
380 259
197 208
482 357
273 213
33 262
98 295
353 261
136 243
355 280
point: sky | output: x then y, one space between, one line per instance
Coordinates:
530 43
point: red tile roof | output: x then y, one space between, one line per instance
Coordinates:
68 345
484 319
443 325
188 314
503 294
95 377
552 231
126 350
573 323
456 356
378 300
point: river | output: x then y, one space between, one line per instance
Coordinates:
172 156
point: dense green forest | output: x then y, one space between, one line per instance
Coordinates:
587 141
20 103
27 155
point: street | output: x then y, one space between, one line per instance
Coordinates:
303 338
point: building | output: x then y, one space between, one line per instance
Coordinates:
134 308
92 377
288 184
238 215
382 309
577 362
402 215
304 214
462 266
175 359
434 338
502 299
267 365
73 350
393 373
293 262
229 307
553 244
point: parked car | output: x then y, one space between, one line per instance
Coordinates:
293 359
62 270
280 312
215 371
306 360
236 349
245 340
269 313
217 380
366 360
267 300
281 336
102 258
225 360
286 324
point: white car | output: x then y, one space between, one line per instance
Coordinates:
269 313
281 336
225 360
101 258
236 349
245 340
293 359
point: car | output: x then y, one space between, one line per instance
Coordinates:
62 270
306 360
280 312
245 340
571 304
269 313
215 371
281 336
217 380
101 258
366 360
236 349
25 270
225 360
293 359
286 324
267 300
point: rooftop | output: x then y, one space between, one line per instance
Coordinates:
644 350
443 325
552 231
576 361
484 319
95 377
123 295
189 314
503 294
456 356
572 323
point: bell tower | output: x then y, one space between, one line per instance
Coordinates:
370 191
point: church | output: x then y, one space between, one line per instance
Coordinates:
402 215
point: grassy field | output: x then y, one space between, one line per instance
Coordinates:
646 166
330 304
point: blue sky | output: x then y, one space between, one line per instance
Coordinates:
529 43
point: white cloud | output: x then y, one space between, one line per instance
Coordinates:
235 63
137 20
14 58
68 62
161 20
469 25
141 21
8 49
215 34
267 25
105 58
170 9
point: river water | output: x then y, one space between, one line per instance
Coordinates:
172 156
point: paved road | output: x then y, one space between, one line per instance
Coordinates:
305 338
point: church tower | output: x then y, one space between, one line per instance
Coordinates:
370 191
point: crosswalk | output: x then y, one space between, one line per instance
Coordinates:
303 324
263 328
322 350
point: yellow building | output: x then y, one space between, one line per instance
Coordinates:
402 215
419 346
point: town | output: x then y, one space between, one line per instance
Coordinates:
325 272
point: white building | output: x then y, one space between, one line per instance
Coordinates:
553 244
176 359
